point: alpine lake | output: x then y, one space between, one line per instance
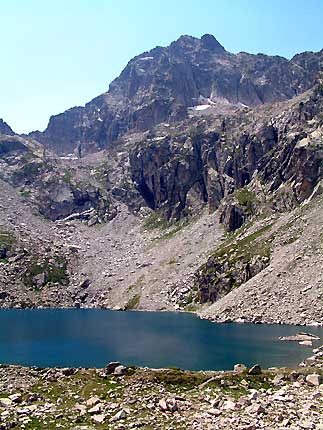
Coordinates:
92 338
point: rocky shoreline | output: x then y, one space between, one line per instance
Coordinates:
119 397
198 314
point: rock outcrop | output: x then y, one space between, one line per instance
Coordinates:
5 128
188 136
54 189
167 83
207 160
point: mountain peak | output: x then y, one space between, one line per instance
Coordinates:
209 41
4 128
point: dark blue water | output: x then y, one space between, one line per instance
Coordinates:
92 338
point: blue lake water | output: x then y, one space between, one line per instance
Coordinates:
92 338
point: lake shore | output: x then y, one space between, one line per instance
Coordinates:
91 338
202 314
87 399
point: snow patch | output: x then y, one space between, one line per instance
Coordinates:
158 138
199 107
68 157
242 105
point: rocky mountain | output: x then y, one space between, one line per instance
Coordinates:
4 128
195 184
167 84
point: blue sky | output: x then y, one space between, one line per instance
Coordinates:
56 54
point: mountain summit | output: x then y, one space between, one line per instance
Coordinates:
165 84
5 128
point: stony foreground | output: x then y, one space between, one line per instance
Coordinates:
129 398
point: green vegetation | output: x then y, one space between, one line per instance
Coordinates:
28 170
247 199
320 89
180 377
168 228
172 261
156 220
134 294
7 239
55 272
67 176
25 194
191 307
244 249
84 384
133 303
233 263
231 383
176 228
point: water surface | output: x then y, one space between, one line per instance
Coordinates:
92 338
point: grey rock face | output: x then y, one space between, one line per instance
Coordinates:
255 370
160 85
5 129
52 187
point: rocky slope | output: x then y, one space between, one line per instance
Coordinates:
4 128
89 399
214 212
167 83
269 272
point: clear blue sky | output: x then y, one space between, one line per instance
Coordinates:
56 54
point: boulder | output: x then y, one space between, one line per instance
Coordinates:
255 409
92 401
111 367
16 398
229 405
120 370
3 295
293 376
121 415
167 405
69 371
40 280
163 405
255 370
214 412
85 284
5 402
95 409
306 343
239 368
99 418
314 379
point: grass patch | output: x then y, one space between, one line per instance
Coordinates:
25 194
7 239
133 302
178 377
246 247
233 263
245 197
56 272
172 261
67 176
191 307
156 220
174 230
